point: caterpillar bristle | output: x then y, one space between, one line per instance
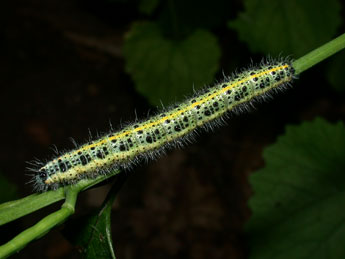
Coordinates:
173 127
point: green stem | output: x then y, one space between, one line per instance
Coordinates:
12 210
319 54
50 221
42 227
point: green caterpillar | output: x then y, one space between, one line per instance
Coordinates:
171 127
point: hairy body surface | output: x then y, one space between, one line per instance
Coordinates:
171 127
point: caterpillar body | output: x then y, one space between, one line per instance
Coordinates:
171 127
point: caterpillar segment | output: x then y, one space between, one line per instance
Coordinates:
172 127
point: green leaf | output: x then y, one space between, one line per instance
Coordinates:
8 191
166 70
148 6
335 72
92 234
298 203
292 27
184 16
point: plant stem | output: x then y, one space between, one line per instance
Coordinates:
12 210
319 54
42 227
50 221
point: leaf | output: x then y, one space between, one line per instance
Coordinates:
187 15
148 6
92 233
292 27
298 203
164 69
8 191
335 72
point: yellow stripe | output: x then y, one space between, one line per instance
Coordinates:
171 116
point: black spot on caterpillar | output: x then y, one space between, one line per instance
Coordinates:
169 128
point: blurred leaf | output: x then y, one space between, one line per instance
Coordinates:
294 26
148 6
8 191
164 69
115 1
335 72
187 16
298 203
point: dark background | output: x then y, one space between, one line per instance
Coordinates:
62 73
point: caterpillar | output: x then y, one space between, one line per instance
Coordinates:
171 127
